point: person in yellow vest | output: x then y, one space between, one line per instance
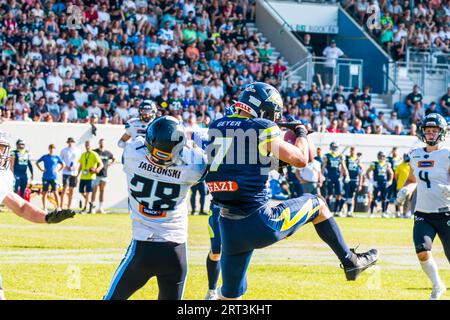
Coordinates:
3 94
404 199
90 166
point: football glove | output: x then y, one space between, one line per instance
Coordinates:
401 196
297 126
347 179
57 216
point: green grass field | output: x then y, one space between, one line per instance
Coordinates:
77 259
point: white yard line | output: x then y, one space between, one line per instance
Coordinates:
40 294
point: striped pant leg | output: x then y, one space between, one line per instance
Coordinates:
129 276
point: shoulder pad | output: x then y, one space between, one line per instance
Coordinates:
264 123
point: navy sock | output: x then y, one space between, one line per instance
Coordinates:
372 206
385 205
213 269
349 207
330 233
340 205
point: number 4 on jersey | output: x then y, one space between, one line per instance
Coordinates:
423 175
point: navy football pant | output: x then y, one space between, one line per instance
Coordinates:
334 187
20 184
144 260
261 229
214 229
426 226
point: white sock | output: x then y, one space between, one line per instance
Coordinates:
100 205
431 270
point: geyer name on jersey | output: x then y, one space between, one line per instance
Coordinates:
432 175
158 195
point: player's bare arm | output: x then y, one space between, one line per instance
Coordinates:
32 213
296 155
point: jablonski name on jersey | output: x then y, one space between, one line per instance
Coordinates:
158 170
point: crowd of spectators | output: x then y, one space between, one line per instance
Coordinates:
423 26
191 57
325 109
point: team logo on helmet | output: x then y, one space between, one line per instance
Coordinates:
275 98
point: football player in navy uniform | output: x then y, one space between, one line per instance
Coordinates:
382 179
136 127
430 169
20 164
18 205
335 169
213 257
160 171
243 149
394 159
354 179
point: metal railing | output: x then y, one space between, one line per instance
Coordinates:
347 72
390 84
432 78
427 56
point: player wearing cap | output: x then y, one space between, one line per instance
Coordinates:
382 179
335 168
20 164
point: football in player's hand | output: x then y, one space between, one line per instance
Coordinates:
290 137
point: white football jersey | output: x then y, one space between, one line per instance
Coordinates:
432 175
6 183
136 128
158 195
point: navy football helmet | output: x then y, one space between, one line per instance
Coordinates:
261 100
147 110
165 138
433 120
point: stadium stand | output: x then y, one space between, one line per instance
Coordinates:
86 61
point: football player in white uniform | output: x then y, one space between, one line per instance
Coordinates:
18 205
160 171
138 126
430 169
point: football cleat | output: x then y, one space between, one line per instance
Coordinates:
212 295
363 261
437 292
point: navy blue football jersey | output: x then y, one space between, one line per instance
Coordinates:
238 165
380 171
354 169
333 166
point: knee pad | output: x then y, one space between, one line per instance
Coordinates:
425 245
349 200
